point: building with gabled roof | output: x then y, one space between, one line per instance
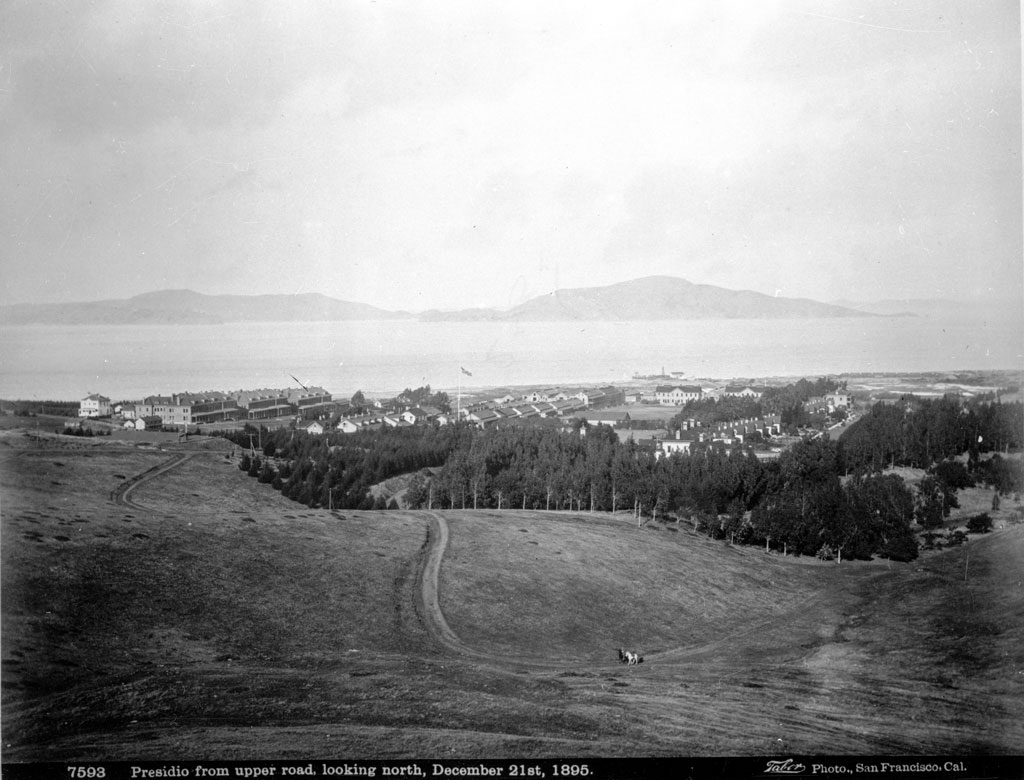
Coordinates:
483 417
94 405
677 395
741 391
603 418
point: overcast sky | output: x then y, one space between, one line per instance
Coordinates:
416 155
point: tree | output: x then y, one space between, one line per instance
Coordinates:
953 474
440 400
266 473
883 507
930 507
417 494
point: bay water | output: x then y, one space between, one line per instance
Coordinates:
382 357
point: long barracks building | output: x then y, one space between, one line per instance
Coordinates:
215 406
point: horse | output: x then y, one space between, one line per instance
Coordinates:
629 658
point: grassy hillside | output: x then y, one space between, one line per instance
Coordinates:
578 586
194 612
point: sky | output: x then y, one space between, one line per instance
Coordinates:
446 155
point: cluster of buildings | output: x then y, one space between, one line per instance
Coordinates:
551 402
680 395
547 403
728 433
317 405
185 409
829 403
403 418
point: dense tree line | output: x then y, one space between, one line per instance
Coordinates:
807 508
796 503
338 470
927 431
819 497
23 408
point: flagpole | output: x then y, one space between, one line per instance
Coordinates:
458 412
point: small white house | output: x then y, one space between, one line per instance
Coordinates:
839 400
314 428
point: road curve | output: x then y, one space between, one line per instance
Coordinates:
440 632
433 618
121 494
436 624
428 590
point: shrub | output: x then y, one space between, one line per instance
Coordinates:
980 524
954 538
902 547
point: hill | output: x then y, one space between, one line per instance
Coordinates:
188 307
655 298
650 298
157 602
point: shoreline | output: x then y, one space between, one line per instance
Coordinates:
884 384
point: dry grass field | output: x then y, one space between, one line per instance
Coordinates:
159 603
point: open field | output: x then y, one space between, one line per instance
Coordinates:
159 603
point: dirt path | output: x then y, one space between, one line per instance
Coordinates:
435 623
441 633
433 617
121 494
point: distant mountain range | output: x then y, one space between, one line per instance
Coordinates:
650 298
184 307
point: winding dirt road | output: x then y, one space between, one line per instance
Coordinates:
434 619
120 495
427 590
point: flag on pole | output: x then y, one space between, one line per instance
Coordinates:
464 371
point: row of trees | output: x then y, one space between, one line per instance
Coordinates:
796 504
929 431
